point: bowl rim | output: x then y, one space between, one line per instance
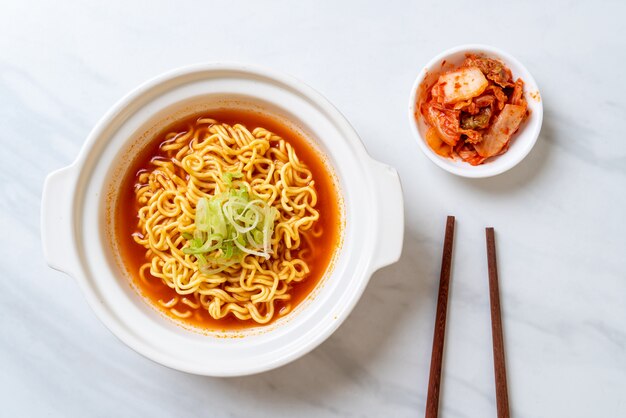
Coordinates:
82 163
489 169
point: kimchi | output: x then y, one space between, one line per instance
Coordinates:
473 111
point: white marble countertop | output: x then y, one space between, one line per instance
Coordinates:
559 215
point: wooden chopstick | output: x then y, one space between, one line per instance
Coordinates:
502 395
434 381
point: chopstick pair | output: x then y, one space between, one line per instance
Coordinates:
434 381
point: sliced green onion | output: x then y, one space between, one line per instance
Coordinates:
229 225
228 178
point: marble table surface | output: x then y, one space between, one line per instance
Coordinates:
559 215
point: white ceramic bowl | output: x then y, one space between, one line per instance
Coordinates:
521 143
76 237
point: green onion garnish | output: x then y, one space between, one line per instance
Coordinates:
230 225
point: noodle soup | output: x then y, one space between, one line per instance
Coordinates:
227 220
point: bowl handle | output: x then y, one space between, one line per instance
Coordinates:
56 220
390 215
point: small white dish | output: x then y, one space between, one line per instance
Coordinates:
521 143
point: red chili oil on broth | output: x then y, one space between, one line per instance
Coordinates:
322 247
